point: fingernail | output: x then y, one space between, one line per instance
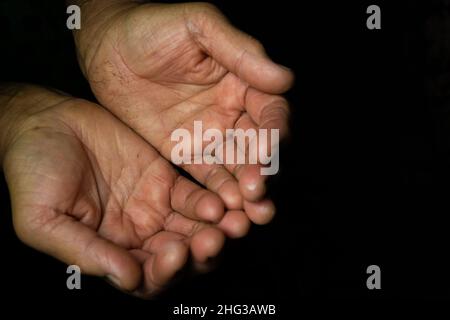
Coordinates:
115 281
284 67
251 186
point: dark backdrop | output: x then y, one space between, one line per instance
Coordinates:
365 177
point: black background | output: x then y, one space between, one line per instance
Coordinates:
365 176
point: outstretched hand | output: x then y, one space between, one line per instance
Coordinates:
89 191
161 67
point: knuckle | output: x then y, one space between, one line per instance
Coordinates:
257 45
203 11
205 8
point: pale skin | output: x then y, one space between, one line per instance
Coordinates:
160 67
89 191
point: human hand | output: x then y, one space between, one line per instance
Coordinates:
89 191
161 67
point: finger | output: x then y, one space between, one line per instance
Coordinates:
238 52
251 183
205 267
164 255
180 224
261 212
235 224
217 179
248 174
268 111
194 202
204 240
206 244
76 244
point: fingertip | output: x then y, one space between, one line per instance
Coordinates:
207 243
174 254
275 78
169 261
286 78
210 207
261 212
231 195
128 276
113 262
254 190
252 183
235 224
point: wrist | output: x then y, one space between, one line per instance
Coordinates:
18 104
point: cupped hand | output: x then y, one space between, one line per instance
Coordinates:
161 67
89 191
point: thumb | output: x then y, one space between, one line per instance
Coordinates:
237 51
74 243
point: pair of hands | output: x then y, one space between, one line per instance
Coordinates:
90 191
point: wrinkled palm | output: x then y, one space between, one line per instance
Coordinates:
89 191
162 67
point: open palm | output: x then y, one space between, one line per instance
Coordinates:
89 191
162 67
